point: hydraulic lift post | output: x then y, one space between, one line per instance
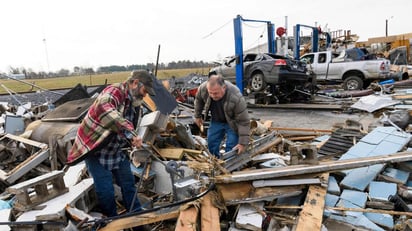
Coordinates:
315 39
237 22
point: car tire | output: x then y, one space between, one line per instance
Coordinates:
257 82
353 83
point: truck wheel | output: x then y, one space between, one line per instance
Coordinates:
257 82
353 83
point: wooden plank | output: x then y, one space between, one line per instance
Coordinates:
325 166
300 129
187 220
310 217
139 220
177 153
245 192
26 141
402 97
209 214
368 210
27 165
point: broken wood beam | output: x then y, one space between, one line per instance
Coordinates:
301 129
391 212
209 214
139 220
326 166
177 153
245 192
187 220
310 217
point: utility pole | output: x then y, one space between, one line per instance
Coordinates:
47 55
386 27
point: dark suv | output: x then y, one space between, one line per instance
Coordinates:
265 69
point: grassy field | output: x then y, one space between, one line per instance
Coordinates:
87 80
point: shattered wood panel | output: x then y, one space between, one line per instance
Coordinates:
245 192
326 166
139 220
28 164
177 153
310 218
209 214
25 166
187 220
25 141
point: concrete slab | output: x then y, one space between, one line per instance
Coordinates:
347 204
380 191
361 149
384 220
385 140
5 215
359 222
378 135
331 200
354 181
333 186
355 197
397 175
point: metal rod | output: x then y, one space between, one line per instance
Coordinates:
34 85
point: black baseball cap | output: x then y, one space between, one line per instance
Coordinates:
146 78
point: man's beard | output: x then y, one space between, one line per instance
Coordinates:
137 101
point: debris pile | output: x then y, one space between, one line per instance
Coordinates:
289 178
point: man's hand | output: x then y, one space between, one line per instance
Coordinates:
199 122
137 141
240 148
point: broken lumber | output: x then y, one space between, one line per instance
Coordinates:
187 220
310 217
326 166
177 153
209 214
245 192
143 219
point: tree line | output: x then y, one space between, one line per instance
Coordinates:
77 70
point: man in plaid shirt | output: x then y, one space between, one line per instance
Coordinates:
108 127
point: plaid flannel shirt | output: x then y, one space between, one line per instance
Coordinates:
112 154
105 117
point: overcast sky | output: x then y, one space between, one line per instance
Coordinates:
47 35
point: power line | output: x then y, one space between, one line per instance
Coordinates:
219 28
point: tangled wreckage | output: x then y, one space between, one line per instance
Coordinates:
346 178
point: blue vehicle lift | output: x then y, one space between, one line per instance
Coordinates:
315 39
237 22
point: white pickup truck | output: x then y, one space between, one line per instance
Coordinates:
349 68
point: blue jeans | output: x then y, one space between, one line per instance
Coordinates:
103 183
215 135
